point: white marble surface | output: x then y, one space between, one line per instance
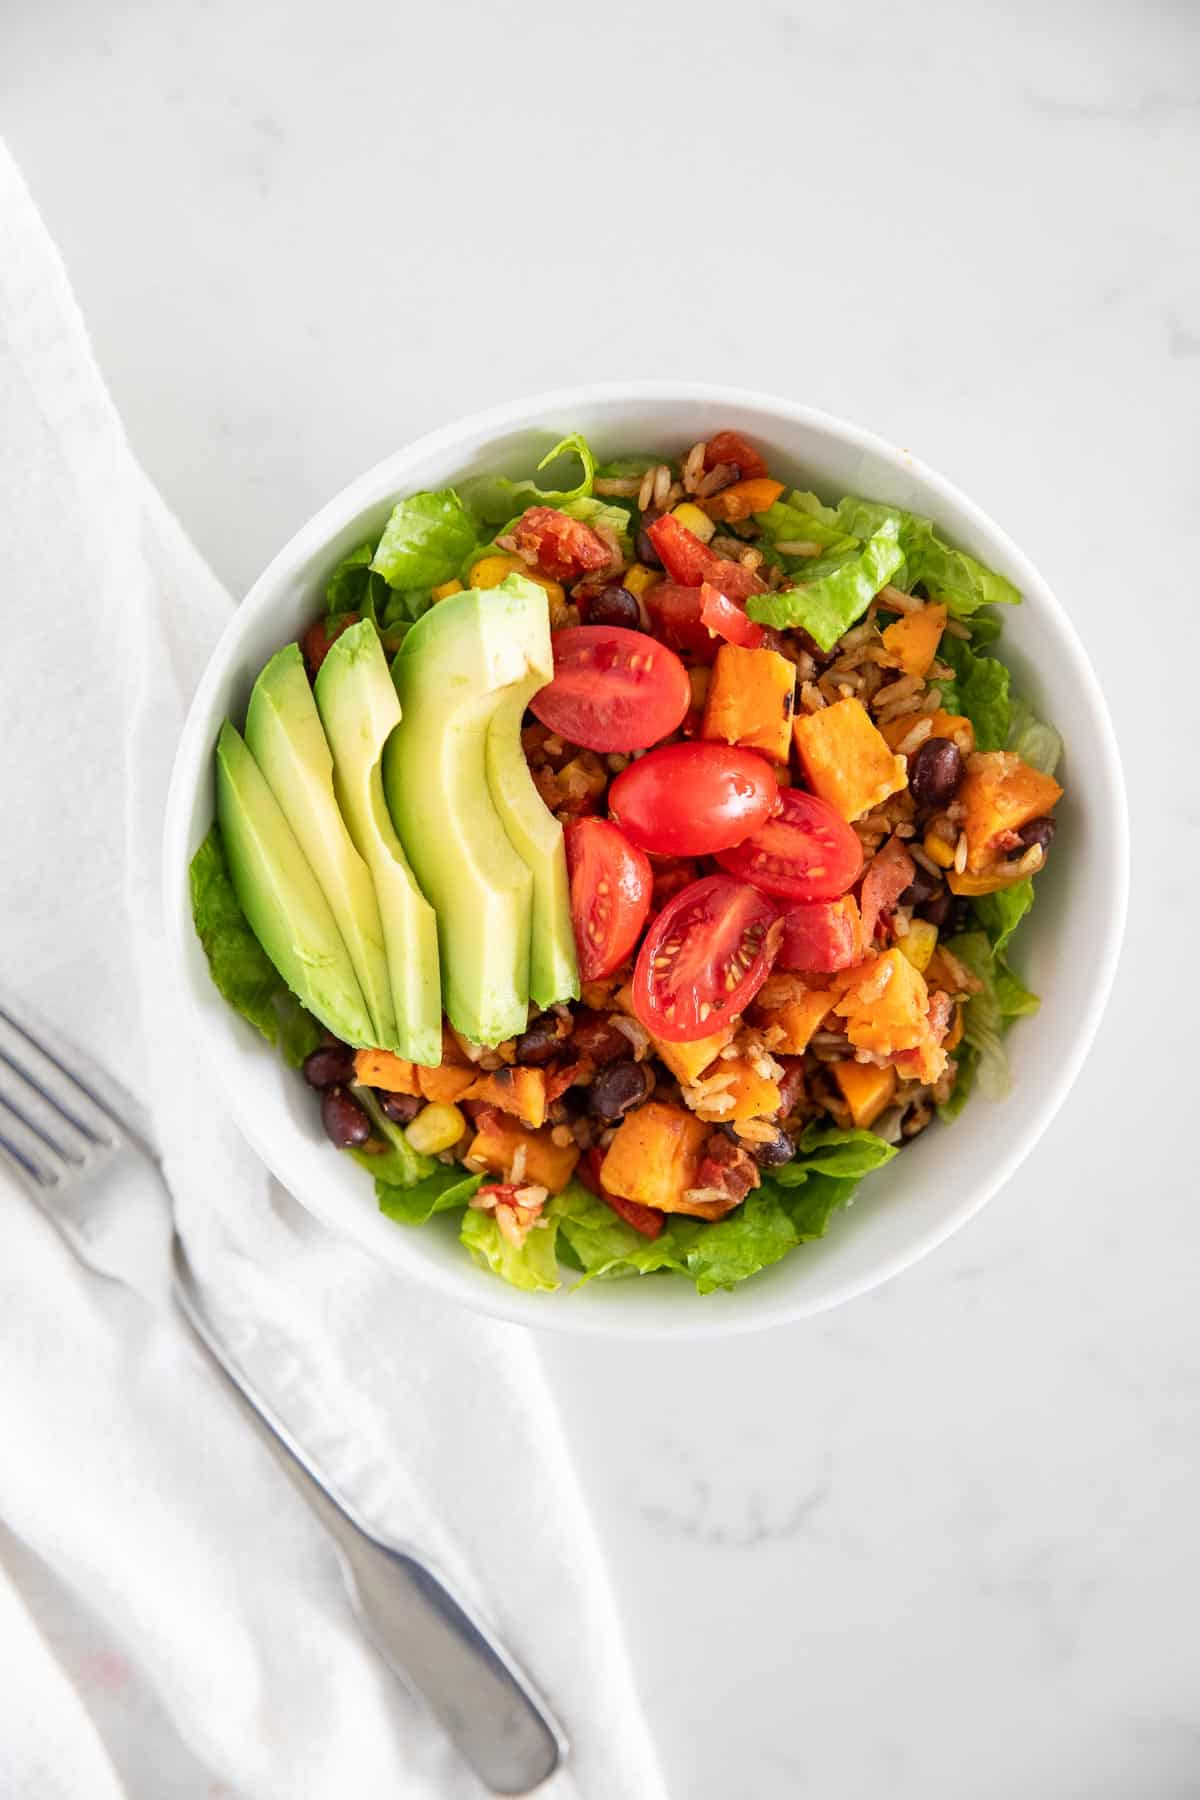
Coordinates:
943 1543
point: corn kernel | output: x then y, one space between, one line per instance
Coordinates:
436 1127
490 571
638 578
695 520
446 588
918 945
939 851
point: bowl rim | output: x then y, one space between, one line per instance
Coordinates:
494 1297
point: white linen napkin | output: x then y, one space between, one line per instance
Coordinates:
127 1470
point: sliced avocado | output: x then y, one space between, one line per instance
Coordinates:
533 831
286 739
357 702
453 669
281 897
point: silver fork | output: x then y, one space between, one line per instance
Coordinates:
65 1127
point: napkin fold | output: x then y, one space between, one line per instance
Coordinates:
203 1588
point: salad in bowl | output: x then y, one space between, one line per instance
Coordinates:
630 855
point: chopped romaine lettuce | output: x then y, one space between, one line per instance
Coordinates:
956 578
425 540
531 1266
447 1188
1000 999
837 591
1000 913
979 689
626 468
399 1166
492 499
240 967
603 1244
801 518
1032 740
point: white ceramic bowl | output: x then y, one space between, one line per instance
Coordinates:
1067 950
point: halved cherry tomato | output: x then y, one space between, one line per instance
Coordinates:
613 689
727 619
821 935
806 851
704 958
675 617
646 1219
731 447
693 799
564 547
319 638
884 882
689 562
610 894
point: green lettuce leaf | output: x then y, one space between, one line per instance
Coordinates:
299 1032
604 1246
345 588
802 518
829 601
964 1082
425 540
399 1166
1032 740
755 1236
240 967
533 1267
951 575
1000 913
491 499
1001 999
447 1188
979 689
626 468
811 1205
832 1151
590 510
403 610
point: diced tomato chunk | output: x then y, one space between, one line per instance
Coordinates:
731 447
688 561
565 548
884 882
729 621
821 935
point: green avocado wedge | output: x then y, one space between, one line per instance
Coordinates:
455 667
281 897
357 703
285 736
533 831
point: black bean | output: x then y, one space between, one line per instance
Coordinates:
935 772
921 888
331 1064
776 1150
618 1087
401 1109
540 1044
596 1037
1038 831
937 910
644 545
345 1121
613 605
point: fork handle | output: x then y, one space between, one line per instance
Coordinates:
426 1636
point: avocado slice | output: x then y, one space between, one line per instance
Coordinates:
533 831
281 897
286 739
452 671
357 703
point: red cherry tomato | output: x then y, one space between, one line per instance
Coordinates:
613 689
318 639
675 617
610 894
884 882
704 958
646 1219
821 935
565 548
693 799
727 619
731 447
689 562
805 852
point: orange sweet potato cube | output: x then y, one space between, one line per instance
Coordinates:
514 1090
499 1138
380 1069
913 640
755 1096
885 1007
845 759
867 1090
687 1062
955 726
1001 793
798 1020
749 701
655 1156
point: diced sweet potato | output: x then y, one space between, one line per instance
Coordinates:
498 1139
448 1083
519 1091
798 1019
885 1007
1001 793
953 1037
755 1096
655 1156
866 1089
741 498
1000 875
750 701
955 726
846 760
380 1069
913 640
687 1062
